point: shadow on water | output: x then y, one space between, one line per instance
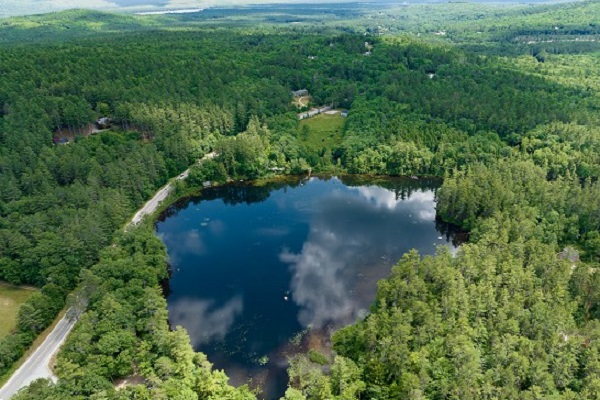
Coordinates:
452 233
261 272
233 193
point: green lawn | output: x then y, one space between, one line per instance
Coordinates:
11 298
321 131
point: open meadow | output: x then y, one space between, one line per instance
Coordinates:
11 298
322 131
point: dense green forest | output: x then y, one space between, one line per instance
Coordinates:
511 126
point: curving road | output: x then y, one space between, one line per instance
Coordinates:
162 194
38 364
153 203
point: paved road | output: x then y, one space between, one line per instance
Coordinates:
153 203
162 194
37 365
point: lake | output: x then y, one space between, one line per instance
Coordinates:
260 273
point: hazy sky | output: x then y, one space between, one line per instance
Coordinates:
127 3
20 7
24 7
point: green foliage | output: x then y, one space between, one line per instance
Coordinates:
125 330
12 348
321 135
515 138
209 170
317 357
11 298
486 323
309 382
39 311
246 155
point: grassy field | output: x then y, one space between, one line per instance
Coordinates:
321 131
11 298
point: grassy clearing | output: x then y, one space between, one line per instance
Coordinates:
321 131
11 298
301 101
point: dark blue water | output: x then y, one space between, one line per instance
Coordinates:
260 273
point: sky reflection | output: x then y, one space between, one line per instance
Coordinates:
254 266
203 321
349 247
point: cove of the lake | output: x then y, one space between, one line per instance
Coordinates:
260 273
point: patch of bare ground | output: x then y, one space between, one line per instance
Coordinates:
301 101
131 380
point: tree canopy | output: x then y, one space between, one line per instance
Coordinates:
511 127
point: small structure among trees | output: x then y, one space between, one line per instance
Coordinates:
313 111
103 123
570 254
60 139
300 93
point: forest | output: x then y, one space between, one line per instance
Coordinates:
511 127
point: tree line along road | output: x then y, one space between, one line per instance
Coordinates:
37 364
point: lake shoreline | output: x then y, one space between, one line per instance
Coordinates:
379 193
177 198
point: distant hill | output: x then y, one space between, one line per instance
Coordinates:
562 27
71 23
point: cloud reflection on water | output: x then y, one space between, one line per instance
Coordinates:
242 297
334 275
315 288
182 243
203 321
383 198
